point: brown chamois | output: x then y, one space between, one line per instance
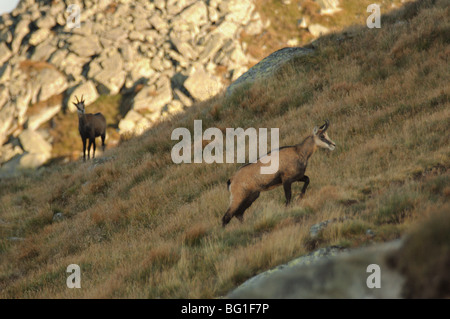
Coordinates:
248 182
90 126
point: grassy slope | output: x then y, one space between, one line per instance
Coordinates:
140 226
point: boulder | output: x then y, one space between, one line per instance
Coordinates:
47 83
84 46
8 151
318 30
159 23
43 51
183 47
201 85
33 160
328 273
36 120
128 123
238 11
20 31
153 99
33 142
39 36
5 53
6 120
196 14
328 6
87 90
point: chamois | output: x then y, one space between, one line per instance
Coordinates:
248 182
90 126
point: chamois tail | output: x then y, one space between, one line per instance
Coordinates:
228 184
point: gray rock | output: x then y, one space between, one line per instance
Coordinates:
46 21
5 72
33 142
33 160
36 120
110 82
8 151
128 123
185 100
328 6
4 95
254 27
212 46
43 51
202 85
152 99
238 11
49 82
196 14
58 216
20 31
87 90
84 46
339 275
318 30
5 53
183 47
6 119
39 36
158 23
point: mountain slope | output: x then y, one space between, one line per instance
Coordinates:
140 226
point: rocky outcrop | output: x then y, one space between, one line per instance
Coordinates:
165 52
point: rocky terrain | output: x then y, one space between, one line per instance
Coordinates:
164 54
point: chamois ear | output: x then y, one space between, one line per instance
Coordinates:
315 130
324 127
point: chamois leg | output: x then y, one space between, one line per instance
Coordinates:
103 142
237 209
244 205
84 149
287 192
93 153
89 148
304 179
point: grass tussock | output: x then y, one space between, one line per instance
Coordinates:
140 226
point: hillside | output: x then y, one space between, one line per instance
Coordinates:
140 226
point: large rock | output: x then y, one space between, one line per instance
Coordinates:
328 6
239 11
39 36
36 120
5 53
327 273
6 119
201 85
20 31
183 47
47 83
33 142
84 46
153 99
196 14
318 30
87 90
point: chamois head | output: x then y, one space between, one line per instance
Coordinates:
80 105
321 137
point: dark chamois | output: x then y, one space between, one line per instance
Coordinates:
90 126
247 183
